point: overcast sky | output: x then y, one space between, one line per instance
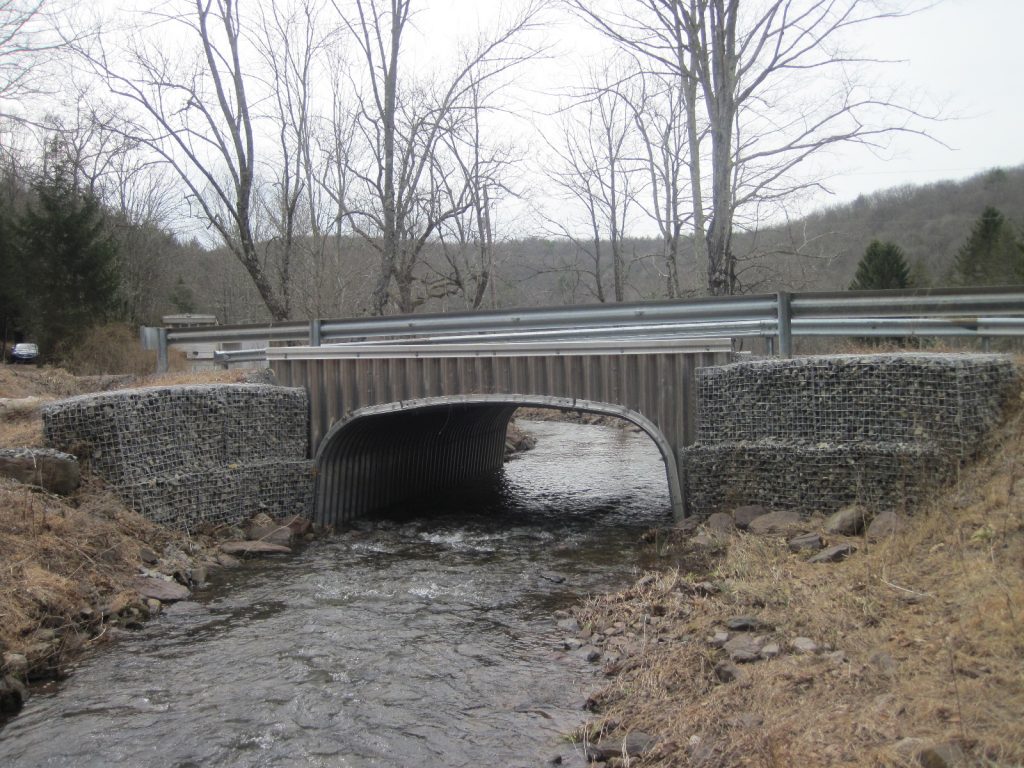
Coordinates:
967 55
964 58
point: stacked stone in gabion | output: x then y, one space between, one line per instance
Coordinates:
820 432
184 455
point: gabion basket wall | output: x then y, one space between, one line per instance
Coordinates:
817 433
191 454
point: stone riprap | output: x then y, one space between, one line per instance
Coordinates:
817 433
191 454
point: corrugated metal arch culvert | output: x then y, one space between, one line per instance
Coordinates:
386 454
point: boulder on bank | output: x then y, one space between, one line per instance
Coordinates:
164 590
745 515
886 525
779 521
55 471
848 521
272 534
12 695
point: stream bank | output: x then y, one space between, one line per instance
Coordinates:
82 568
798 641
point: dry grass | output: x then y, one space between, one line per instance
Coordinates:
25 389
930 626
108 349
62 561
18 381
176 378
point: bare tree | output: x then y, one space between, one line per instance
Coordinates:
394 197
25 37
198 119
292 41
481 174
666 129
659 113
749 64
597 168
327 281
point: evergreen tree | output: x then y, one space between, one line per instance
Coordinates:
66 262
182 298
991 255
8 281
881 266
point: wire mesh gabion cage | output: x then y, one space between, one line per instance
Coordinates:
817 433
186 455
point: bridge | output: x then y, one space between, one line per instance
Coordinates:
403 405
390 422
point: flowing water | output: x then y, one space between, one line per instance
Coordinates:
420 639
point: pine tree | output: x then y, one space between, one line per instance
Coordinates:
991 255
182 298
8 281
882 266
66 262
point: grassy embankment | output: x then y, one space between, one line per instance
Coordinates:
66 563
921 639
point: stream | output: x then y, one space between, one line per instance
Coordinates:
425 637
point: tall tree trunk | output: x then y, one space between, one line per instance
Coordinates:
399 12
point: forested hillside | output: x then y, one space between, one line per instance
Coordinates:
819 252
930 223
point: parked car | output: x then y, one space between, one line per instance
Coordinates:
24 353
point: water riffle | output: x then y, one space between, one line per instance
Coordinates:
422 638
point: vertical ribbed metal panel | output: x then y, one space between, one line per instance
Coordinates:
381 459
378 461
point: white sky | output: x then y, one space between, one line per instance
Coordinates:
965 57
968 56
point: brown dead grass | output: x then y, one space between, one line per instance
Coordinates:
179 378
18 381
944 600
108 349
25 389
61 562
64 562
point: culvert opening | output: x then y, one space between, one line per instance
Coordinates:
401 453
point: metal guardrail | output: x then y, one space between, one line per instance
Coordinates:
942 312
497 349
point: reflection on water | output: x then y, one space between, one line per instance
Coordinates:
421 638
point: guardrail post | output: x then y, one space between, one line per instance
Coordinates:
314 333
161 351
785 329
